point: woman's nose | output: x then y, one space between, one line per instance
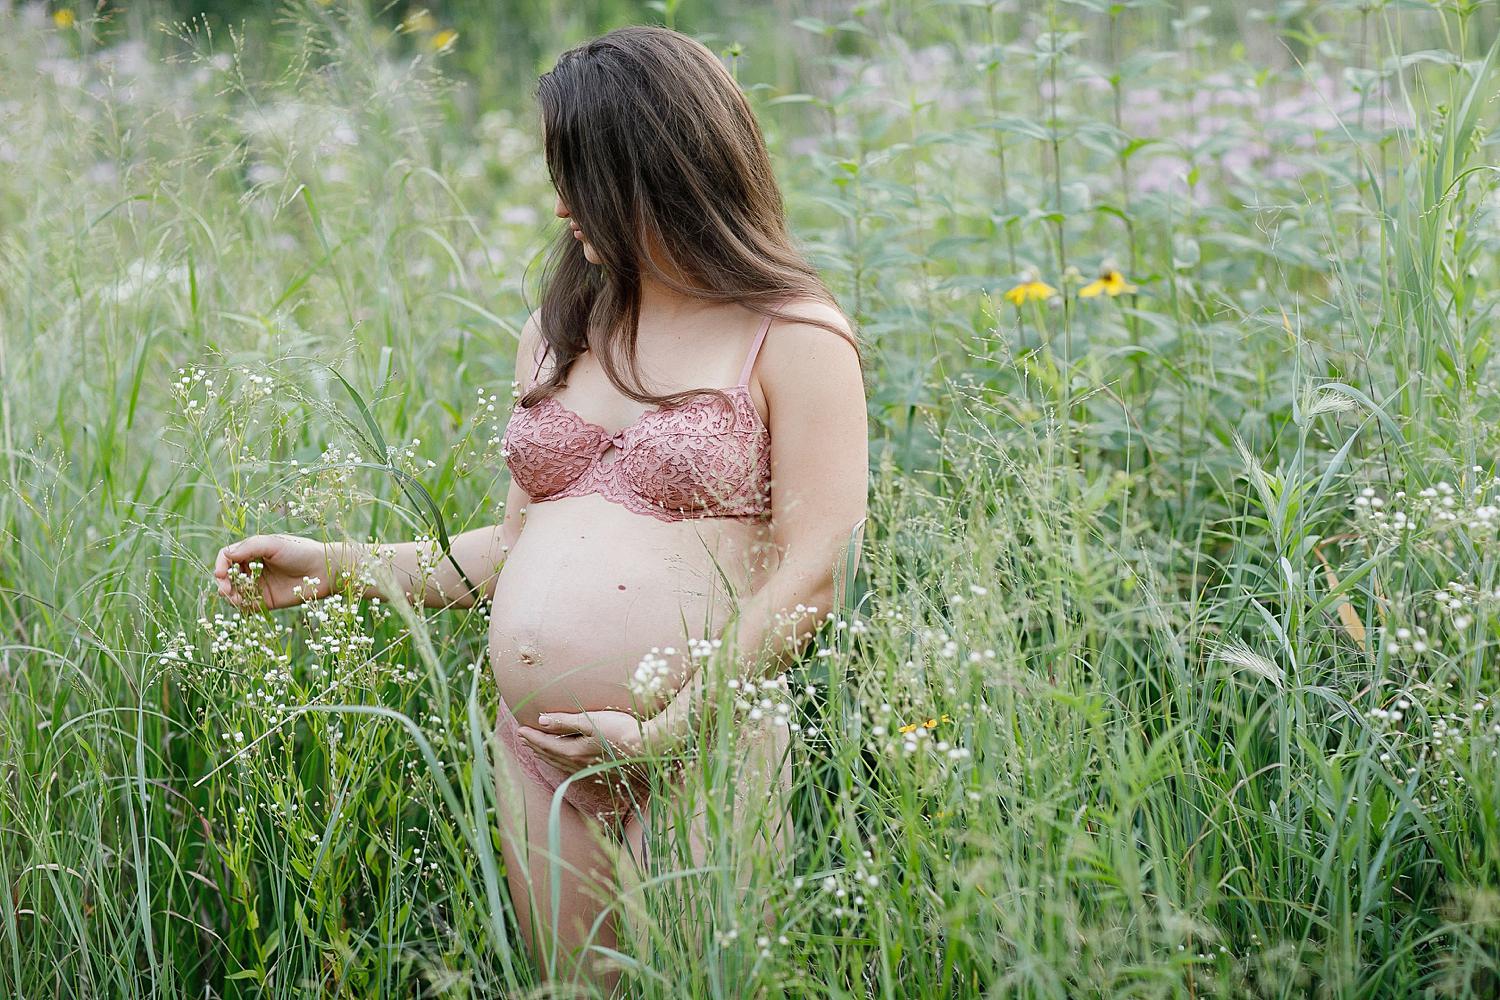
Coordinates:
560 210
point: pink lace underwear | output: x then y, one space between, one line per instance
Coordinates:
607 796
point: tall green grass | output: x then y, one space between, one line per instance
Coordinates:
1142 688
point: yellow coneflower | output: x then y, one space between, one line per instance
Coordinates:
929 724
443 40
1111 282
1028 290
63 17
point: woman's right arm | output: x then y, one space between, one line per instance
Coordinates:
293 569
425 575
287 562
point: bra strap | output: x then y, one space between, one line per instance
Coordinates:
760 336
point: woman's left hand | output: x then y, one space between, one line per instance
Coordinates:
571 741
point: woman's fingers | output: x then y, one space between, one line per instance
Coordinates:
563 723
568 752
223 562
238 556
256 547
541 740
561 763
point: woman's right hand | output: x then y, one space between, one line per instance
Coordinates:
286 562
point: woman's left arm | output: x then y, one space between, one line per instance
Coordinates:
820 468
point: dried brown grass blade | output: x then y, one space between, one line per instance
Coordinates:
1348 617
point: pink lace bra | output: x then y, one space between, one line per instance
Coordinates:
696 459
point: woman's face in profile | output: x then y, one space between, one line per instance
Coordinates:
561 211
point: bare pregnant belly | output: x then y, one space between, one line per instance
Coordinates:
590 588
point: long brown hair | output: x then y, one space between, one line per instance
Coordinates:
650 141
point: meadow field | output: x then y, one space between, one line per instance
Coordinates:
1169 668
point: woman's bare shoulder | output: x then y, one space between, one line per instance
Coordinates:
531 330
807 334
802 354
809 312
528 348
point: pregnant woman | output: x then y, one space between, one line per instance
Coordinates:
688 458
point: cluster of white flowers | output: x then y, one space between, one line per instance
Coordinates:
337 639
246 638
856 627
405 457
429 554
1453 525
841 894
931 666
1389 716
1434 510
194 391
763 944
919 736
908 699
1432 746
175 648
323 490
264 672
220 401
486 427
769 699
1369 505
247 677
653 673
256 676
255 385
1403 640
699 649
1461 601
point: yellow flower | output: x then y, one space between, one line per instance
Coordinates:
908 727
62 17
1110 281
1027 290
443 40
930 723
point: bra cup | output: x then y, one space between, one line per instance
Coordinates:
690 472
544 469
700 462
